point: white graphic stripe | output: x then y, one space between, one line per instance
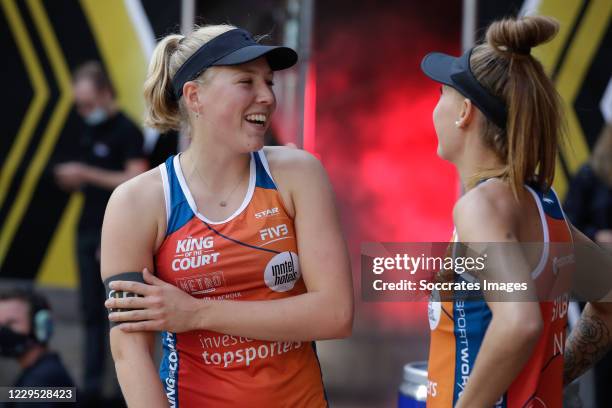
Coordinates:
166 185
606 103
142 26
544 258
530 8
274 240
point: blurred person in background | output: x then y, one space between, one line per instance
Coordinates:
26 328
250 262
589 199
111 152
589 206
498 121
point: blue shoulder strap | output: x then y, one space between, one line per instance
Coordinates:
550 203
263 178
179 211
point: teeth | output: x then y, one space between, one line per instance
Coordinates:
256 117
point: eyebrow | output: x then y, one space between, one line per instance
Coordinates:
252 71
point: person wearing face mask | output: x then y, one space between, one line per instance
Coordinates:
110 152
235 249
25 330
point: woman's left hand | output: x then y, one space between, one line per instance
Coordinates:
162 307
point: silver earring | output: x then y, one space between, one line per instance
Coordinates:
457 123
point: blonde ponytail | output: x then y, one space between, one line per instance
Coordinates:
162 111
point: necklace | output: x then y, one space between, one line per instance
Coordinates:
222 203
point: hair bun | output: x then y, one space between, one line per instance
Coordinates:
519 35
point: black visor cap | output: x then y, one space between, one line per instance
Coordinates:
233 47
456 73
279 58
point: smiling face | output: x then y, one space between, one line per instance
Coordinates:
235 104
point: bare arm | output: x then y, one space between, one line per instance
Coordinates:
591 339
325 311
129 235
515 326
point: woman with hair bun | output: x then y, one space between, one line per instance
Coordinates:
499 121
244 261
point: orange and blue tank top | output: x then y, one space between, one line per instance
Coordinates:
251 255
458 327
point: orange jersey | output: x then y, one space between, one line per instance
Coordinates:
458 328
252 255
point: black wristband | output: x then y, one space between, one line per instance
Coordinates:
111 293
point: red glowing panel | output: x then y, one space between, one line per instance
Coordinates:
374 130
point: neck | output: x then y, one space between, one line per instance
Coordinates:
217 165
31 356
475 161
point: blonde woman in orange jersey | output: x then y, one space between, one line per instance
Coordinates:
498 121
249 260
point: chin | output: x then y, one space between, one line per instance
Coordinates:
440 153
254 143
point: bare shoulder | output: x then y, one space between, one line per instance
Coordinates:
144 192
292 168
488 211
290 160
298 174
134 224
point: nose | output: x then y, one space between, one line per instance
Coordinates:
265 95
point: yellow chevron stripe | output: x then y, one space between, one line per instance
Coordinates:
121 50
561 183
49 138
571 76
566 12
37 105
59 266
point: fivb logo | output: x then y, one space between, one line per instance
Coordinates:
282 272
273 232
